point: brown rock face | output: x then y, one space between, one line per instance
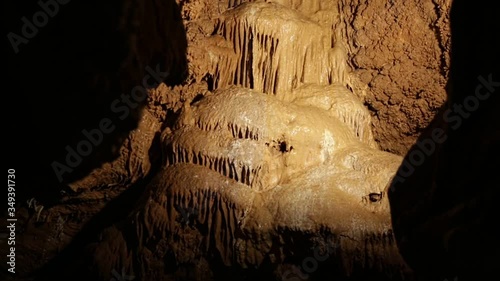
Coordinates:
266 150
401 51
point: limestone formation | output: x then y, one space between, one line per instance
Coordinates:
281 145
268 153
276 49
241 167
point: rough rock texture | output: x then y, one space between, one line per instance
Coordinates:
400 49
272 151
443 206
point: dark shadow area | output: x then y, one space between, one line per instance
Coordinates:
70 65
73 64
443 197
76 261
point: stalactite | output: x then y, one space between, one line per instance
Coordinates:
276 48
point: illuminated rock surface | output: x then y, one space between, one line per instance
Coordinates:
274 149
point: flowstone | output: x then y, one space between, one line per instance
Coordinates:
279 154
247 164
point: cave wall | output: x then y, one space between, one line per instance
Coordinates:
401 51
396 55
443 197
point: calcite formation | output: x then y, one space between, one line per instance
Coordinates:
282 145
259 140
268 154
246 164
275 49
